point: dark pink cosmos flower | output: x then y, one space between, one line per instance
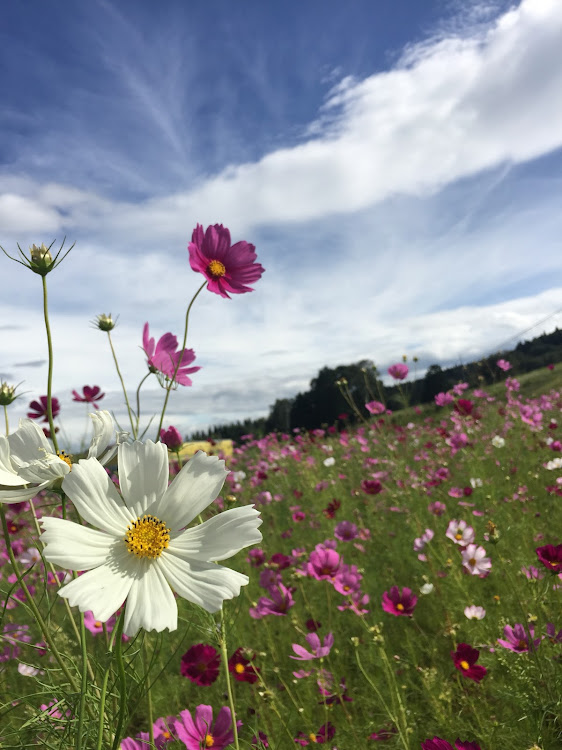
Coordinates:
261 741
91 394
375 407
201 664
323 563
317 651
551 557
397 602
38 409
346 531
465 658
172 438
464 407
438 744
517 639
348 580
551 633
371 486
200 732
241 666
227 268
163 357
323 735
399 371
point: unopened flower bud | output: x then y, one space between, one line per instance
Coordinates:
105 322
41 260
7 394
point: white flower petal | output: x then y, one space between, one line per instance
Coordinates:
192 490
205 584
103 590
8 477
20 496
221 536
28 442
98 502
46 469
143 474
151 604
74 546
102 422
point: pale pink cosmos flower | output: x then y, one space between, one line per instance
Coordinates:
421 541
503 364
460 533
163 357
317 651
474 613
442 399
227 268
474 560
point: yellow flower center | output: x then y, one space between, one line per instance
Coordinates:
97 624
400 607
464 664
216 269
63 455
472 562
458 535
239 668
312 738
147 537
166 734
209 740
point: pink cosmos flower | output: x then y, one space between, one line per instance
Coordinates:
201 664
348 580
371 486
398 371
503 364
171 437
163 357
346 531
474 560
200 732
442 399
39 409
323 564
227 268
460 533
474 613
438 744
421 541
241 665
323 735
518 639
399 603
375 407
91 395
551 557
317 652
281 601
437 508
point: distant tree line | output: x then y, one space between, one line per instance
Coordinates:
325 404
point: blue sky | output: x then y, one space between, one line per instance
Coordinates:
398 166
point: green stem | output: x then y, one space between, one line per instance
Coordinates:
171 383
148 694
6 418
50 370
122 682
105 680
227 673
83 685
122 385
40 621
138 398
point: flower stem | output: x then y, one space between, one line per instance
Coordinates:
171 383
50 370
132 421
122 681
105 681
40 621
138 398
83 685
224 652
6 418
148 694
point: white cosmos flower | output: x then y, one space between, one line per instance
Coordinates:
142 550
29 464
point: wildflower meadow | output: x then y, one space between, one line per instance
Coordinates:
397 580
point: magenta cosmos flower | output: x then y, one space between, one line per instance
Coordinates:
465 658
399 371
241 666
163 357
227 268
438 744
375 407
200 732
517 639
91 394
201 664
172 438
318 651
38 409
397 602
323 735
551 557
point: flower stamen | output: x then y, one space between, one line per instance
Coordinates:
216 269
147 537
64 456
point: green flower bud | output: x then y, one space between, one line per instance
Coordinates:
7 394
105 322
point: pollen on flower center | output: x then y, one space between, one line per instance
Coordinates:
465 664
400 606
65 457
239 668
209 740
216 269
147 537
312 738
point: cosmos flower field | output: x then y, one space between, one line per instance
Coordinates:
407 591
